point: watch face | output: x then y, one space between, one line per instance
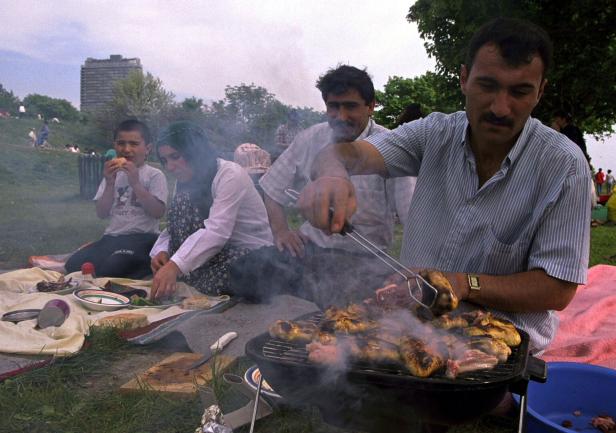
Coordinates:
473 281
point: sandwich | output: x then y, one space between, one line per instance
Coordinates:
120 161
124 321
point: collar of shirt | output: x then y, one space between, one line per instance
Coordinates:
511 157
365 133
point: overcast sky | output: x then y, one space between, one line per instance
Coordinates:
199 47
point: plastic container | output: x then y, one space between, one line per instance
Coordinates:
574 392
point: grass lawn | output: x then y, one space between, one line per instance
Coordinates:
42 213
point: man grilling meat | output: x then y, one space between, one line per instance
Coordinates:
509 225
349 97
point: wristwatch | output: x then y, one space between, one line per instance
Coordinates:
473 285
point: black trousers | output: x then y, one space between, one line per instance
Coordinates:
325 276
124 256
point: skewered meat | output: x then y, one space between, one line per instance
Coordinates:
349 326
471 360
446 299
420 359
293 331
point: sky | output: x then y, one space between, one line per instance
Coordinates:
197 47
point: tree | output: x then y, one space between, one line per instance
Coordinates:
584 36
248 113
141 96
428 90
8 101
192 104
50 107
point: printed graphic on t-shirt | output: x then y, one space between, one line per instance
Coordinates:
123 206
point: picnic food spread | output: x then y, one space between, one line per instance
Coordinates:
452 343
54 286
125 321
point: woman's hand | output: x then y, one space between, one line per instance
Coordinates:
159 260
291 240
164 282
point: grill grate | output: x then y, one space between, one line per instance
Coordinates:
279 350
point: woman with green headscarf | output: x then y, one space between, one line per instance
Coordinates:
216 215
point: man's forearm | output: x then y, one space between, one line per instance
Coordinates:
344 159
529 291
276 214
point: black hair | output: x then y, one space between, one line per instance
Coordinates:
192 143
563 114
343 78
134 125
411 112
517 40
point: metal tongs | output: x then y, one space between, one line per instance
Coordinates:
424 293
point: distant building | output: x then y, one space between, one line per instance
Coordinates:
98 77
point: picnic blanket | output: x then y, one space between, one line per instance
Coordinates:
587 331
23 337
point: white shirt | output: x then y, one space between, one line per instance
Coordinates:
377 198
237 217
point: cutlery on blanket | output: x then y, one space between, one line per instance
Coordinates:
213 349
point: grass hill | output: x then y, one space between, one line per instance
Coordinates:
41 210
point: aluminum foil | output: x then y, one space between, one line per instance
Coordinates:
212 421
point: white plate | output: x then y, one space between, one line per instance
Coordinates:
252 377
101 300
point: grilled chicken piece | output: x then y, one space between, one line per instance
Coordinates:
491 346
325 338
508 334
346 325
420 359
472 360
352 311
604 423
376 352
294 332
446 299
447 321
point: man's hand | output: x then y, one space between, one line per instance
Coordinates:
159 260
326 193
291 240
164 282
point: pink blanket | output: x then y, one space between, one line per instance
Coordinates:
587 332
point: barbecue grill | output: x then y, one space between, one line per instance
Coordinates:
386 397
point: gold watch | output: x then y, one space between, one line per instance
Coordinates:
473 284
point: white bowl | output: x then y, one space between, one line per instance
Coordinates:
101 300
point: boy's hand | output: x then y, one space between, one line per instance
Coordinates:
132 172
164 282
110 170
159 260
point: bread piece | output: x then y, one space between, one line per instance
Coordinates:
120 161
197 303
125 321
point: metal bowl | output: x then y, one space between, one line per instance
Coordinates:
575 393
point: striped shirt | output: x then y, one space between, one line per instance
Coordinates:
533 213
378 198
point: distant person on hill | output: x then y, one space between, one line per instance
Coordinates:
43 135
609 181
133 195
563 123
600 180
32 136
411 112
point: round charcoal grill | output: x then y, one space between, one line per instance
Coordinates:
388 398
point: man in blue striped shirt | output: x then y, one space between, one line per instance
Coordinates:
509 224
